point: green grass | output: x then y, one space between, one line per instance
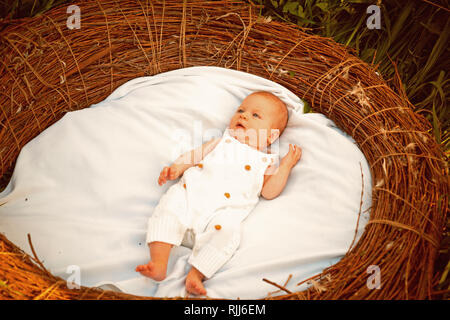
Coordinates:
26 8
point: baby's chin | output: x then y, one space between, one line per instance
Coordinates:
247 136
238 132
248 132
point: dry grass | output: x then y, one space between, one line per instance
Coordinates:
47 70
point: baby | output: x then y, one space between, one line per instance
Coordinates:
221 183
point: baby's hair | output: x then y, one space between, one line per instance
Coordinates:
283 114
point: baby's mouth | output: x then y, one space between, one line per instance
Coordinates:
239 126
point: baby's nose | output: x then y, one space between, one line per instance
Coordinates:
244 115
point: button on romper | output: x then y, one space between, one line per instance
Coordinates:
210 201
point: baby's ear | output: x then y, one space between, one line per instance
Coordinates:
274 134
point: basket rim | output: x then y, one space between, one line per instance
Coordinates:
393 138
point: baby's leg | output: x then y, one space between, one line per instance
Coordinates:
156 268
166 228
213 248
194 282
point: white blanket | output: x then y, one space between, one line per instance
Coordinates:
85 187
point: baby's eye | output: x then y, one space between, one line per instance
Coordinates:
240 111
256 115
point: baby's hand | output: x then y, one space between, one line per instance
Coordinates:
292 157
169 173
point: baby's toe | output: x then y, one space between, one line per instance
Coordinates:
200 289
143 267
195 288
140 268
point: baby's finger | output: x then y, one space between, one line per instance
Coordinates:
163 175
169 173
172 173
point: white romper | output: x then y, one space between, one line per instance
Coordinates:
210 201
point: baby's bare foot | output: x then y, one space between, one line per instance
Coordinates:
153 270
194 284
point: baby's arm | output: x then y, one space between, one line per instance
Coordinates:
275 183
187 160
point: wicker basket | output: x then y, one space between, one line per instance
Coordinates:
48 69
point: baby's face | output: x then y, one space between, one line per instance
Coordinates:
255 121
